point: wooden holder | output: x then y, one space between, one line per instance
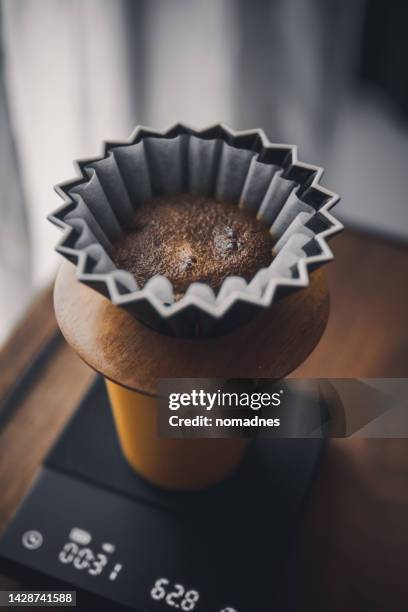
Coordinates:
132 358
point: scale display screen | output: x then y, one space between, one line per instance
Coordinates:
84 538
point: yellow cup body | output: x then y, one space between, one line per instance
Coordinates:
182 464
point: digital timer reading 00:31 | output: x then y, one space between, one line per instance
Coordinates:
177 596
83 558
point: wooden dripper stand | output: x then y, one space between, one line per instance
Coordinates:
132 358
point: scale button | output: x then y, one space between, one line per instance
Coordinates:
32 539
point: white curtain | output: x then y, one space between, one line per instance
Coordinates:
66 73
190 51
67 80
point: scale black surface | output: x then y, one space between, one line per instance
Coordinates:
90 524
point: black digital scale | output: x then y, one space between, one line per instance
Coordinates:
91 524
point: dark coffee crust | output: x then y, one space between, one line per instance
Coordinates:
193 239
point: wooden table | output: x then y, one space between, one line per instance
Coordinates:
353 555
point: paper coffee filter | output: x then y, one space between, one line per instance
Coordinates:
241 167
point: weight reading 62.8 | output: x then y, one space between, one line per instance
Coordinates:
175 596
